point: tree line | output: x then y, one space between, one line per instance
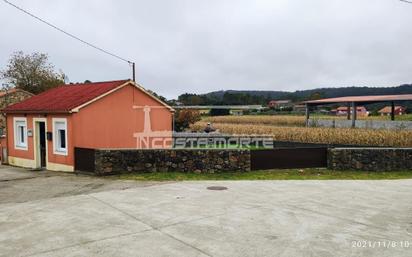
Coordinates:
233 97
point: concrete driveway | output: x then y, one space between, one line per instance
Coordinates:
250 218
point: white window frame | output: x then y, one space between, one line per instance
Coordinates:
18 145
56 148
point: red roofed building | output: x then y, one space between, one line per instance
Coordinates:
399 110
44 130
279 103
343 110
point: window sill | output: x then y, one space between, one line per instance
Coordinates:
60 152
19 147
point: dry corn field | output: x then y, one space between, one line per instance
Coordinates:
287 120
396 138
278 120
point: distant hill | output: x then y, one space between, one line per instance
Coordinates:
355 91
234 97
266 94
324 92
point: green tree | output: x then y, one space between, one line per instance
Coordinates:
162 98
193 99
32 72
316 96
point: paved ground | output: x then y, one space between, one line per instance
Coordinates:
55 214
20 185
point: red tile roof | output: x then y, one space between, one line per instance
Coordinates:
64 98
388 109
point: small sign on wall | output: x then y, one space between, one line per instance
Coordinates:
49 136
29 132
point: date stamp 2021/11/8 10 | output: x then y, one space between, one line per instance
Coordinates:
381 244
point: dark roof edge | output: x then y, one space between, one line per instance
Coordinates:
34 112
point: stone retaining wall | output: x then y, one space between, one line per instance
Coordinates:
164 160
370 159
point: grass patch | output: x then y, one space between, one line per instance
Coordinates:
289 174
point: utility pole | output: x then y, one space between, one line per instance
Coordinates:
354 114
348 111
307 115
134 71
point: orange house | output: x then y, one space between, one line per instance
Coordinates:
44 130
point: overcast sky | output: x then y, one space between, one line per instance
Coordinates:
206 45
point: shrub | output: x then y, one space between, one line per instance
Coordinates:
185 118
219 112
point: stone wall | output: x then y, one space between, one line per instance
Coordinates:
370 159
164 160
